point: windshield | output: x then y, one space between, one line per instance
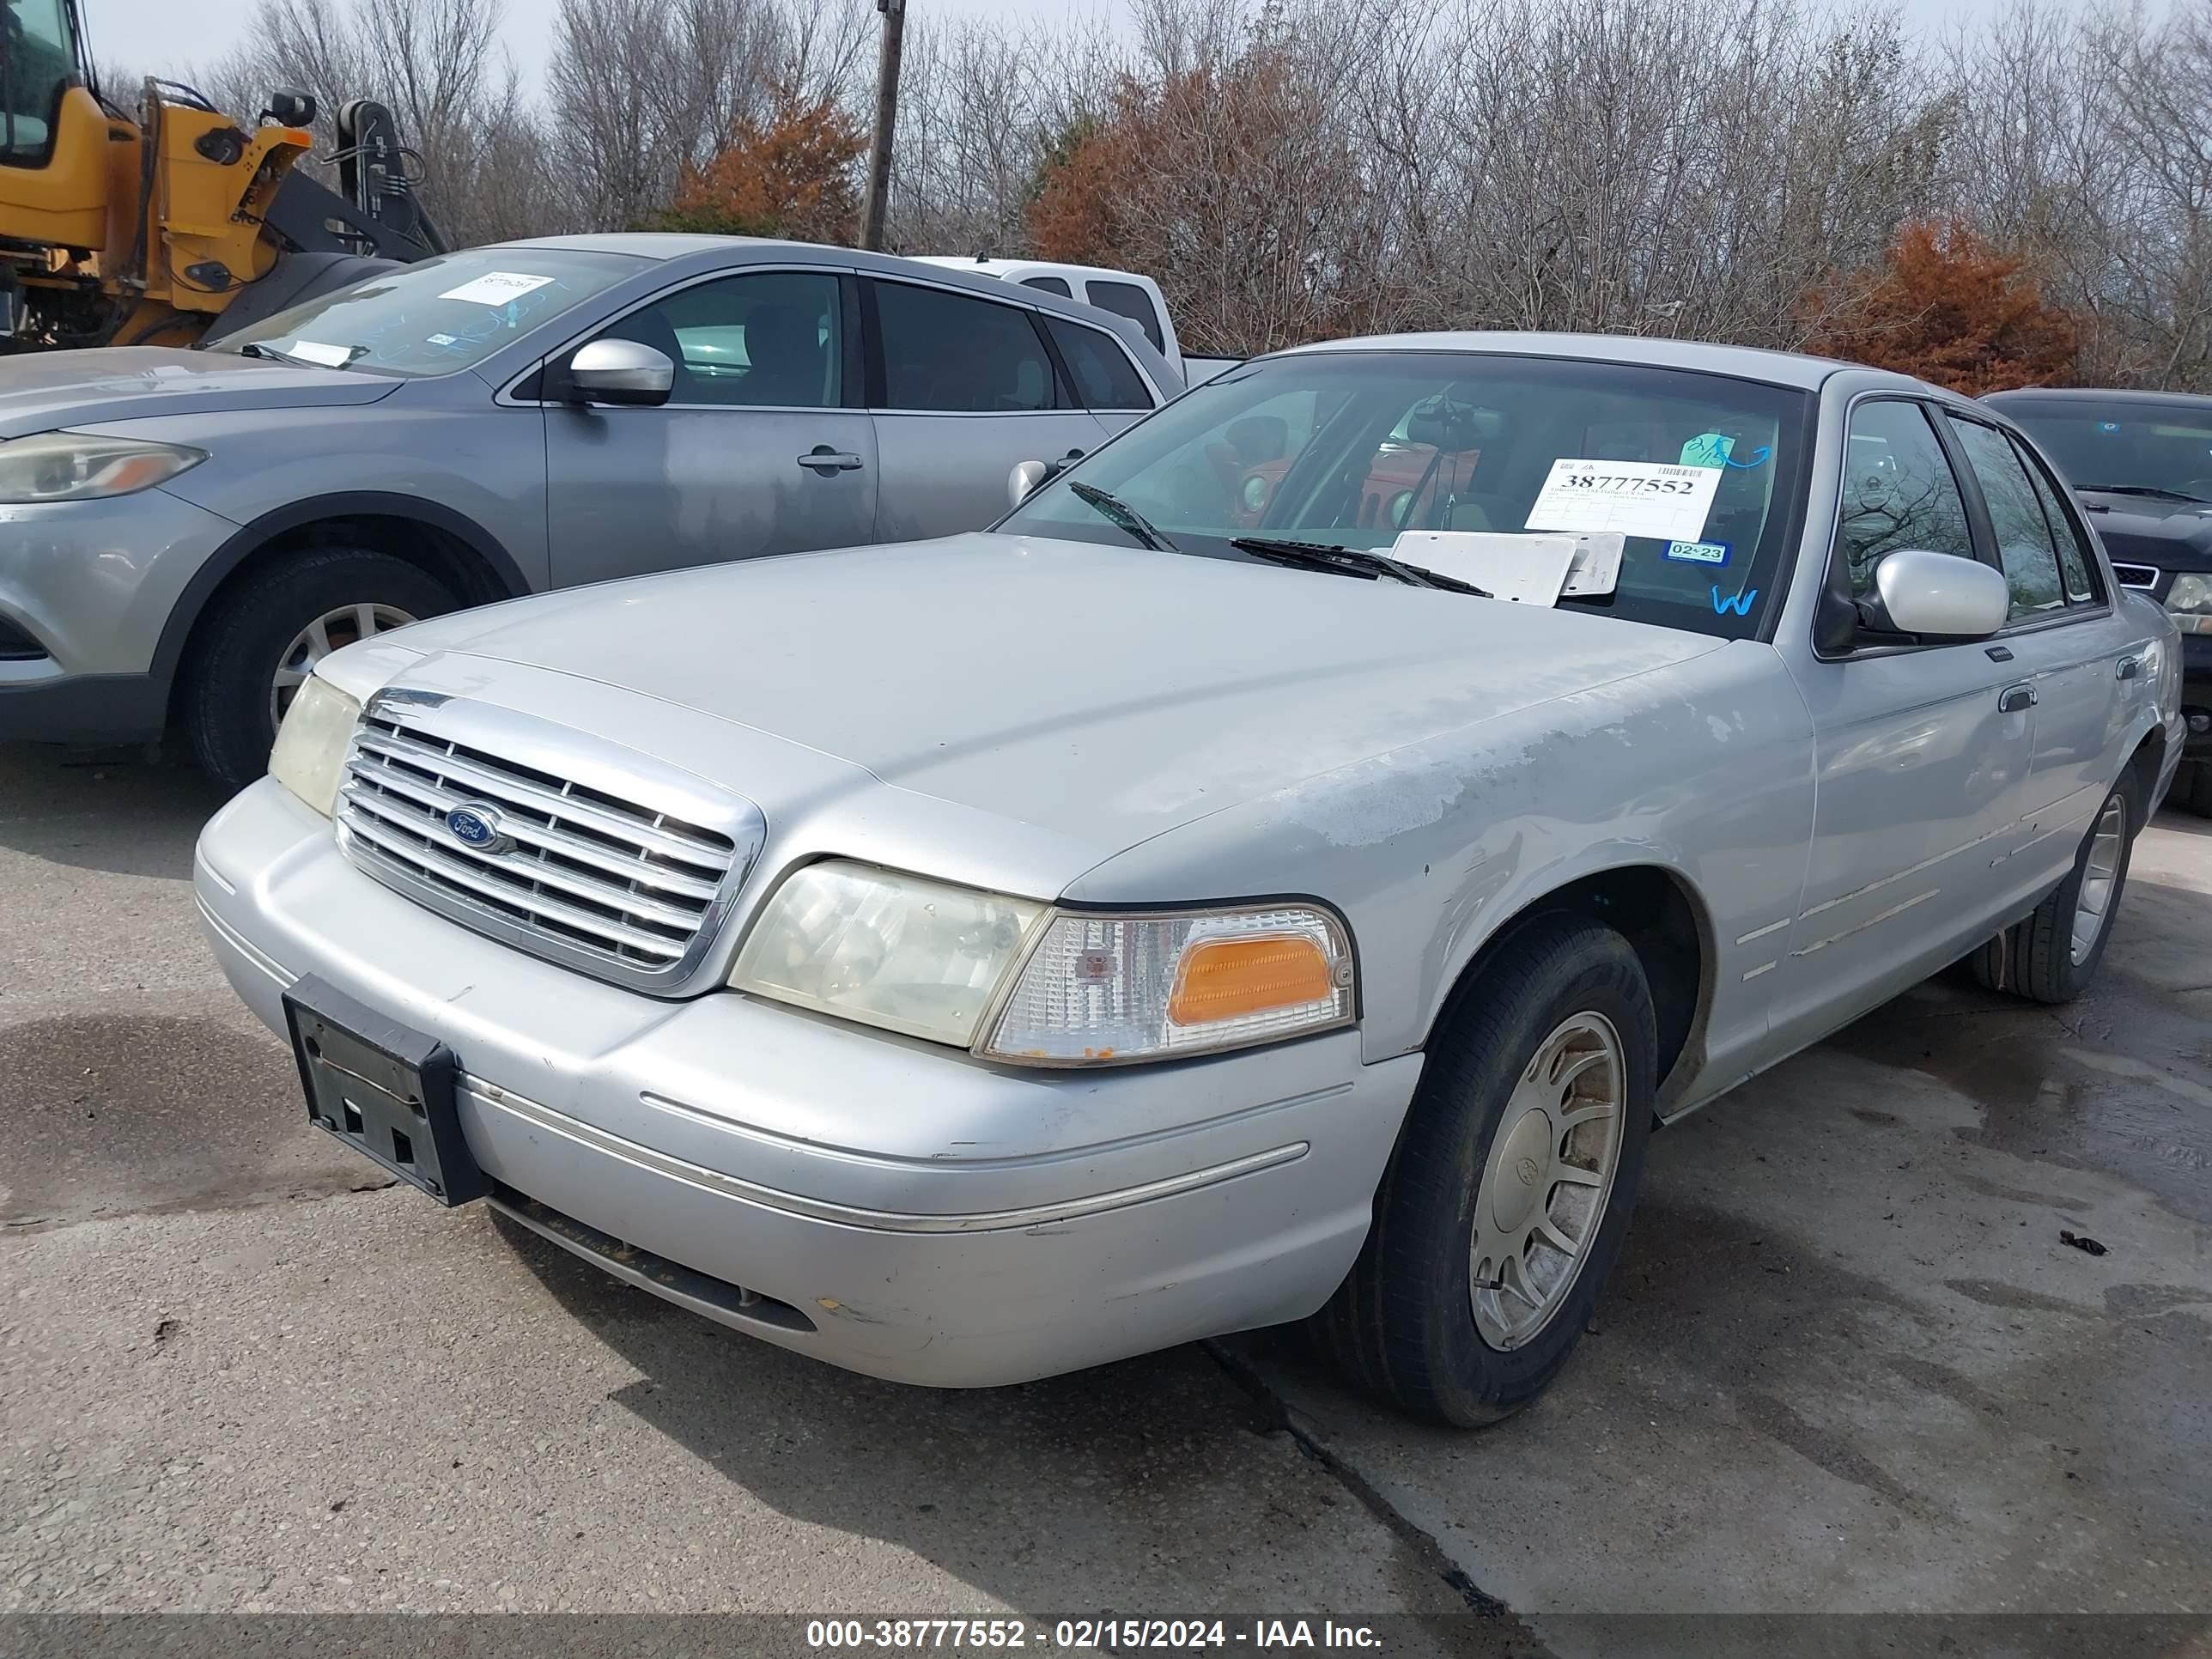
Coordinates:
1352 448
2165 449
436 317
37 63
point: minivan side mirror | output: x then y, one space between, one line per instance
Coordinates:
620 372
1938 596
1022 482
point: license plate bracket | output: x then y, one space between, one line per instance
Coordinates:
385 1090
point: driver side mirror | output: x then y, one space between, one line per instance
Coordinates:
620 372
1022 482
1938 596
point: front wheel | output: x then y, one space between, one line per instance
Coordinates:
1507 1202
2052 955
259 646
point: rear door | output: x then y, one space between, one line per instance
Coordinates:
2063 639
962 389
760 448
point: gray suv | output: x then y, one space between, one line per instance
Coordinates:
185 534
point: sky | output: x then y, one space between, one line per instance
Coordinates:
170 37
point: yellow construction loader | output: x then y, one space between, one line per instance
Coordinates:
173 221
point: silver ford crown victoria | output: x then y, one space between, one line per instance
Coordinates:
1285 869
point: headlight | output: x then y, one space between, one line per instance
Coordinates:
918 957
2190 602
310 745
73 466
1103 989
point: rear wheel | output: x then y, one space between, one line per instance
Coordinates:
1507 1201
2052 955
265 637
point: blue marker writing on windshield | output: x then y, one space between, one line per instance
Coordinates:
1739 603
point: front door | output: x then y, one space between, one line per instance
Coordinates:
968 391
1921 762
754 452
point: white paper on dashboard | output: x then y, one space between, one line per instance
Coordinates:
330 357
1636 498
497 287
1515 564
1528 569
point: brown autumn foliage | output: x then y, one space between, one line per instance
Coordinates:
792 174
1229 182
1947 306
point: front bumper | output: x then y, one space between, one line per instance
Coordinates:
934 1220
2196 693
92 585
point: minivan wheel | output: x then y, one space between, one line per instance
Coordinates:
1507 1201
265 637
2052 955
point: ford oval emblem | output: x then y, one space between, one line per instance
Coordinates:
476 826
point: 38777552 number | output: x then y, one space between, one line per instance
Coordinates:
1612 484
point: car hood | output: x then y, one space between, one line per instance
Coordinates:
1103 693
42 392
2139 530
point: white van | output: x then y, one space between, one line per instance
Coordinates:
1121 292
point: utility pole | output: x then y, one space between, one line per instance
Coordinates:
878 194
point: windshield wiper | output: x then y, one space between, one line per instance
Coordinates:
1352 561
2151 490
1119 512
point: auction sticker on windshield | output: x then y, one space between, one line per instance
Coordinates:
497 287
1636 498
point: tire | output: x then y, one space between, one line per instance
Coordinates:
1407 1323
2036 958
225 699
2192 788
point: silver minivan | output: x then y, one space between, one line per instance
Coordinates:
188 532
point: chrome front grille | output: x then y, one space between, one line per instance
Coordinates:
2135 575
591 855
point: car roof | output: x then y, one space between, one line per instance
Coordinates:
1787 368
2091 394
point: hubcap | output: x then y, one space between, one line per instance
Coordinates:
1547 1180
326 633
2099 877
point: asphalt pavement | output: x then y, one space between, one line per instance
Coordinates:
1849 1364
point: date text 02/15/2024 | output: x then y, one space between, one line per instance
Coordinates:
1109 1633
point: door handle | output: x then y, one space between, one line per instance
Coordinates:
825 460
2127 668
2015 698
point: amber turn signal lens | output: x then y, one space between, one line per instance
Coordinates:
1222 978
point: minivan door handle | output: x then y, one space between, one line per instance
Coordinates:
824 460
2015 698
2127 668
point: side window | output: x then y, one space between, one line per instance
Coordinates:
771 340
2024 544
1104 376
2076 563
1050 284
1127 300
949 351
1899 491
